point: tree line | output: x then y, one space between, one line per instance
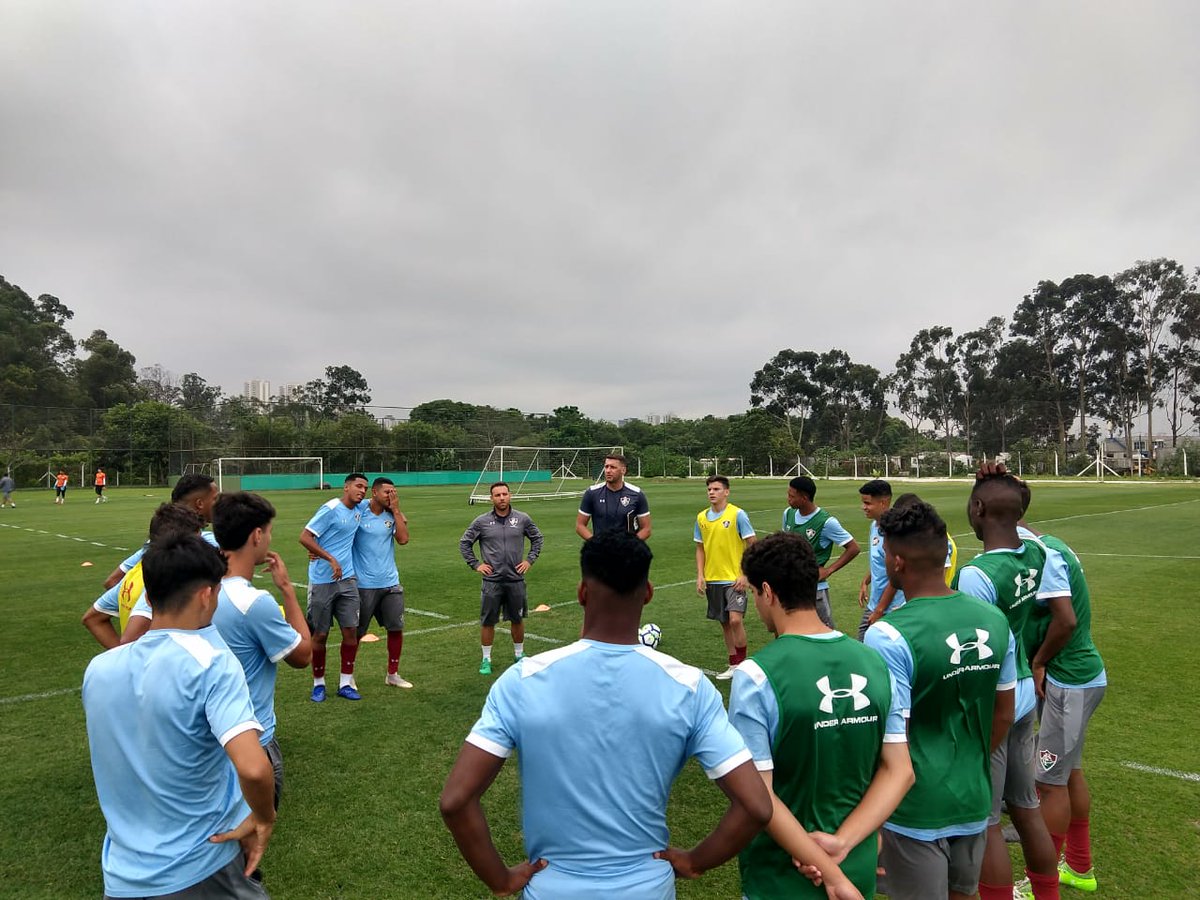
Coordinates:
1107 348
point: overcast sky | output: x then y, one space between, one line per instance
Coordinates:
627 207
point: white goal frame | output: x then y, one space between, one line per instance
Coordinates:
219 466
563 460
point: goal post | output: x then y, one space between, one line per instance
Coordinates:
267 473
542 473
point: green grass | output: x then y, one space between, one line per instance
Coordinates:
359 816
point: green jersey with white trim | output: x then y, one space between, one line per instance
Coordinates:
1078 662
810 531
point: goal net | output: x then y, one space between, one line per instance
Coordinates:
542 473
269 473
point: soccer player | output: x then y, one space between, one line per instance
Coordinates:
876 500
194 491
125 601
6 488
1070 677
821 530
602 727
816 711
60 487
721 533
379 590
953 665
165 718
614 504
249 619
333 591
101 481
1012 574
501 534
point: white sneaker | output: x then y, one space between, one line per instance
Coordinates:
397 681
727 674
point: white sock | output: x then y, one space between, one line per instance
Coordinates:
344 680
319 682
487 651
518 649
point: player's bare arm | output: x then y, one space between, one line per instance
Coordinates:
849 550
101 626
473 773
749 811
400 533
644 527
1003 714
700 584
892 781
113 578
1058 632
308 541
301 655
134 629
257 780
581 526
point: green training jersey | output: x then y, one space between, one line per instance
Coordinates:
1015 576
1078 662
833 697
955 647
810 531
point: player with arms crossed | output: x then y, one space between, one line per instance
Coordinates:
333 591
1069 675
614 504
165 718
815 709
249 619
721 533
821 530
501 534
954 672
602 728
379 590
1012 575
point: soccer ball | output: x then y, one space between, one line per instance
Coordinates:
650 635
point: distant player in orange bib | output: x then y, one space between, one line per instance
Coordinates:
60 487
101 481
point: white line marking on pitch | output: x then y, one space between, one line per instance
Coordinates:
1154 770
42 696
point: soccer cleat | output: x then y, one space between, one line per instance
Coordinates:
1071 878
1023 890
485 667
518 657
318 694
727 674
397 681
347 692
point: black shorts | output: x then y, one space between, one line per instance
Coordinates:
502 599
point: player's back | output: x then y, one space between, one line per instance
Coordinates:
601 732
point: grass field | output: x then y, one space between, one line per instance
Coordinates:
359 814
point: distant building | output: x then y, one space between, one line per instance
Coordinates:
287 392
257 390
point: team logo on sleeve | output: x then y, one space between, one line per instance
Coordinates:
1047 759
979 645
857 683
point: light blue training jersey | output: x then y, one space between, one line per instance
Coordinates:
832 532
898 655
374 556
159 713
110 602
1055 583
136 556
879 578
754 710
601 732
253 626
334 526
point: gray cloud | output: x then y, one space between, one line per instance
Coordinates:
626 207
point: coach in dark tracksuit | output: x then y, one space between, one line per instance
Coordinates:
501 534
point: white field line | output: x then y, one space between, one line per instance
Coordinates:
1170 773
65 537
24 698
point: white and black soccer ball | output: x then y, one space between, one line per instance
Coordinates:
650 635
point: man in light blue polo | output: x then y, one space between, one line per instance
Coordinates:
165 717
602 727
332 589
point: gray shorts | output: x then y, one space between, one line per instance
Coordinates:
1012 769
862 624
919 870
275 755
1065 716
722 600
502 600
824 609
384 605
227 883
326 601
